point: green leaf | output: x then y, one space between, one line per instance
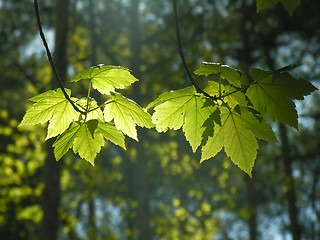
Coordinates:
292 87
87 141
261 129
290 5
182 108
272 92
232 75
195 116
208 125
236 137
106 78
65 141
95 111
111 133
126 115
234 99
54 107
170 108
86 138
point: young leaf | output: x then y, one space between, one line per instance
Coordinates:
54 107
236 137
87 141
182 108
84 139
126 115
95 111
261 129
65 141
170 109
195 116
235 98
106 78
230 74
271 93
111 133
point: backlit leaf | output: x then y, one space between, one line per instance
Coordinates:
232 75
236 137
54 107
65 141
87 141
182 108
126 115
271 95
111 133
107 78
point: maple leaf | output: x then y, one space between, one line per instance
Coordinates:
65 141
106 78
235 135
94 111
272 92
126 115
233 76
51 106
235 98
111 133
182 108
86 139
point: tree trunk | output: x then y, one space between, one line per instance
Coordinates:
91 220
52 169
245 57
141 178
290 193
252 206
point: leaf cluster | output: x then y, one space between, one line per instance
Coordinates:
86 131
237 116
232 115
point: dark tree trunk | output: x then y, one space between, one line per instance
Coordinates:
252 206
140 170
92 224
290 193
245 57
52 169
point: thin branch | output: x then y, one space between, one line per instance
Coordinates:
45 44
198 89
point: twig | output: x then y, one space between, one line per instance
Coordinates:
198 89
45 44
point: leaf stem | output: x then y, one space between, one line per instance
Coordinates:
198 89
45 44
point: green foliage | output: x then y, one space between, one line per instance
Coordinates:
180 108
235 115
51 106
126 115
290 5
231 119
85 131
106 78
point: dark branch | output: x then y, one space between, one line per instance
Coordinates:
45 44
198 89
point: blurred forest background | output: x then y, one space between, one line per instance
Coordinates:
157 189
